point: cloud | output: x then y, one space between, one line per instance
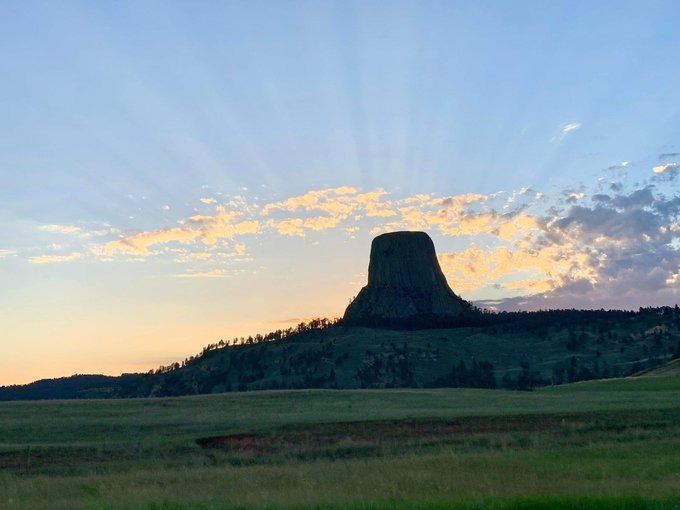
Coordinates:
521 243
209 229
622 249
668 155
224 224
292 227
7 253
59 229
574 196
460 215
330 200
566 129
618 166
572 126
208 200
138 244
51 259
214 273
540 269
336 205
659 169
78 231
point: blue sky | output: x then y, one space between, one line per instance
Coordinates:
176 173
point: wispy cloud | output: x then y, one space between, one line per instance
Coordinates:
59 229
52 259
572 126
208 200
84 233
224 224
565 129
214 273
7 253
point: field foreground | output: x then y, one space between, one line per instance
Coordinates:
601 445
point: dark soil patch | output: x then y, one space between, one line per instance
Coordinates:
350 438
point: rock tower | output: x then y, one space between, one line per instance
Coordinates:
406 287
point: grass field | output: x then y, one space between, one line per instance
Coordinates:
600 445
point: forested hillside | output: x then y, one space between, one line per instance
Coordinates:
519 350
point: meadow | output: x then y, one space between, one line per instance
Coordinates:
598 444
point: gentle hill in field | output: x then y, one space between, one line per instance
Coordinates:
505 350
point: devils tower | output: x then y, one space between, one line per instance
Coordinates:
406 287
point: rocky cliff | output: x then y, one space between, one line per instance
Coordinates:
406 287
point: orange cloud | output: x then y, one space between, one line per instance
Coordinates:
215 273
291 227
522 269
662 168
209 229
51 259
330 200
138 244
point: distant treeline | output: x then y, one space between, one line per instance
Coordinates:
273 336
507 322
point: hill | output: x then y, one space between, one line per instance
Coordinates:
671 368
495 350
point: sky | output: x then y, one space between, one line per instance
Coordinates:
176 173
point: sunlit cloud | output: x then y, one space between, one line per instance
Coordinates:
214 273
572 196
7 253
524 243
237 252
59 229
659 169
337 205
548 266
224 224
52 259
328 200
208 200
78 231
138 244
291 227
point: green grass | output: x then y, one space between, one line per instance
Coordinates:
600 445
